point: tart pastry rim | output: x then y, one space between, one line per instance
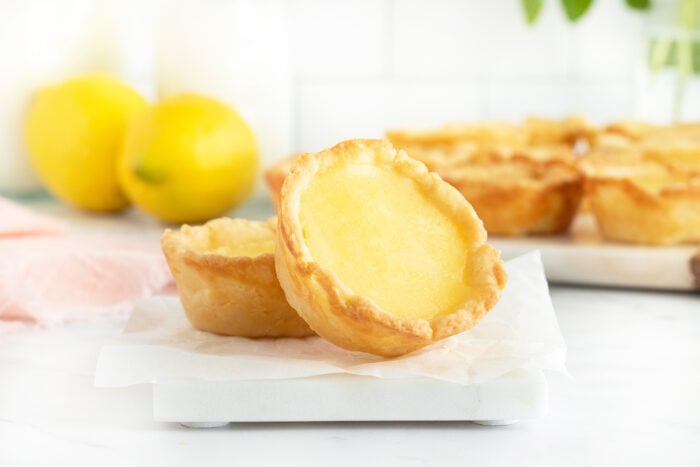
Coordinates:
344 302
239 266
218 300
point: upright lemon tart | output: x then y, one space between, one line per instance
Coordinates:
225 275
520 195
569 130
379 255
638 200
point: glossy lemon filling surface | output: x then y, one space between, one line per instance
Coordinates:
385 240
250 248
248 240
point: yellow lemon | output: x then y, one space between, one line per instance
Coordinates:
188 159
73 133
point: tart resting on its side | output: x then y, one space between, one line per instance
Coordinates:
379 255
225 275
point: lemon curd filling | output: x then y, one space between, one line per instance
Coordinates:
248 240
385 240
250 248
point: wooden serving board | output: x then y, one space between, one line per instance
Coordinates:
583 257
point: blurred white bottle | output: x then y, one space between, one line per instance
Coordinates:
237 51
44 42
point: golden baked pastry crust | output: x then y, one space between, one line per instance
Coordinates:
226 293
535 131
356 322
520 195
673 145
274 178
455 145
439 159
642 201
633 130
674 150
620 135
482 134
543 131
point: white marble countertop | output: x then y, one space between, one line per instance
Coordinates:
633 399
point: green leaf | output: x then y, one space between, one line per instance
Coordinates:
575 9
532 10
639 4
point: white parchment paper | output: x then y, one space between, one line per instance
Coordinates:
160 346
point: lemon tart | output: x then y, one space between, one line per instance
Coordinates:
274 177
638 200
569 130
379 255
520 195
225 275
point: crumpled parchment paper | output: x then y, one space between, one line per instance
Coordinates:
160 346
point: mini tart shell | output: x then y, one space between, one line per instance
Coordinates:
230 295
628 210
520 195
534 132
355 322
481 134
455 144
569 130
274 178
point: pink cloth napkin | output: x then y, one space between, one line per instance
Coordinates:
16 220
49 275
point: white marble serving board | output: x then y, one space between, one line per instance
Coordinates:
520 394
491 373
582 256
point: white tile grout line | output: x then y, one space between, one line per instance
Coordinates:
295 76
457 78
389 22
296 113
573 57
482 88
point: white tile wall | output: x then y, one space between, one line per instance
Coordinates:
308 73
439 38
341 38
599 100
513 48
516 99
605 100
478 39
608 42
363 67
332 111
656 95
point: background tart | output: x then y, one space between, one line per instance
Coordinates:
379 255
672 145
454 144
569 130
639 200
225 274
520 195
274 178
